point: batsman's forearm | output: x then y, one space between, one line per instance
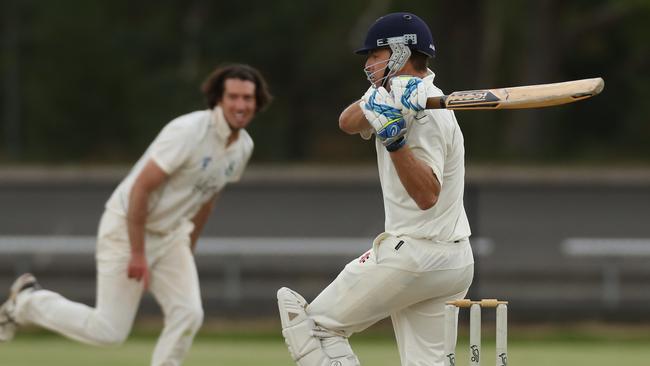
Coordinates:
137 218
416 177
352 120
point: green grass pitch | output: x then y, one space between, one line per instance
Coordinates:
555 349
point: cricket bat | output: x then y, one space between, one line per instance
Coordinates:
520 97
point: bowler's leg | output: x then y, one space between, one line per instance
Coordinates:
109 323
175 285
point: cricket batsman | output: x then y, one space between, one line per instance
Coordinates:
423 258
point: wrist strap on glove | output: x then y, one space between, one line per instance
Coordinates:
396 145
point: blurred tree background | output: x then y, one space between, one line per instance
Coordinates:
94 81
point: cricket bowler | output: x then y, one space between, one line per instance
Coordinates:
150 226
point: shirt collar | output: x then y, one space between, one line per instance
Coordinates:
430 75
221 127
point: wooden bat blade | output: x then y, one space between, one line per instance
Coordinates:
519 97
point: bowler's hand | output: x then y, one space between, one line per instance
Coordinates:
138 269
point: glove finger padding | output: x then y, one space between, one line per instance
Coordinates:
397 87
380 110
410 93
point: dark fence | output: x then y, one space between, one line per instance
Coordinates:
559 245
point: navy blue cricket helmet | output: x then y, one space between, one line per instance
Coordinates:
414 32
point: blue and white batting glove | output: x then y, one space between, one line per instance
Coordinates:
411 93
385 117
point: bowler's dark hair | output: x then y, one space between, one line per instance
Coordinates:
213 87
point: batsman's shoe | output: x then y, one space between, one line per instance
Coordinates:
8 325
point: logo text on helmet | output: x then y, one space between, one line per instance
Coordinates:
405 39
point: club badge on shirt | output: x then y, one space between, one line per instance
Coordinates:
230 169
205 162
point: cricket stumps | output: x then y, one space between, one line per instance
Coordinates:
475 307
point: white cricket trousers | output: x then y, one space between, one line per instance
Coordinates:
404 278
173 282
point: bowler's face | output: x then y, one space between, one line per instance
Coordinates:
238 102
376 64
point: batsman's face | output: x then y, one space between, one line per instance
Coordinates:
376 65
238 102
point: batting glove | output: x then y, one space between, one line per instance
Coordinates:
411 93
385 117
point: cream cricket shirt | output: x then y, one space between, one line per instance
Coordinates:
435 138
192 150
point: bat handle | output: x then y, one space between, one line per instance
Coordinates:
436 102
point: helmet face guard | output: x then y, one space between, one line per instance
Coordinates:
403 33
400 53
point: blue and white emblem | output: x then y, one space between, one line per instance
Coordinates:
205 162
230 169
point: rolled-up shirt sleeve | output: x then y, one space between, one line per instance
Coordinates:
172 147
